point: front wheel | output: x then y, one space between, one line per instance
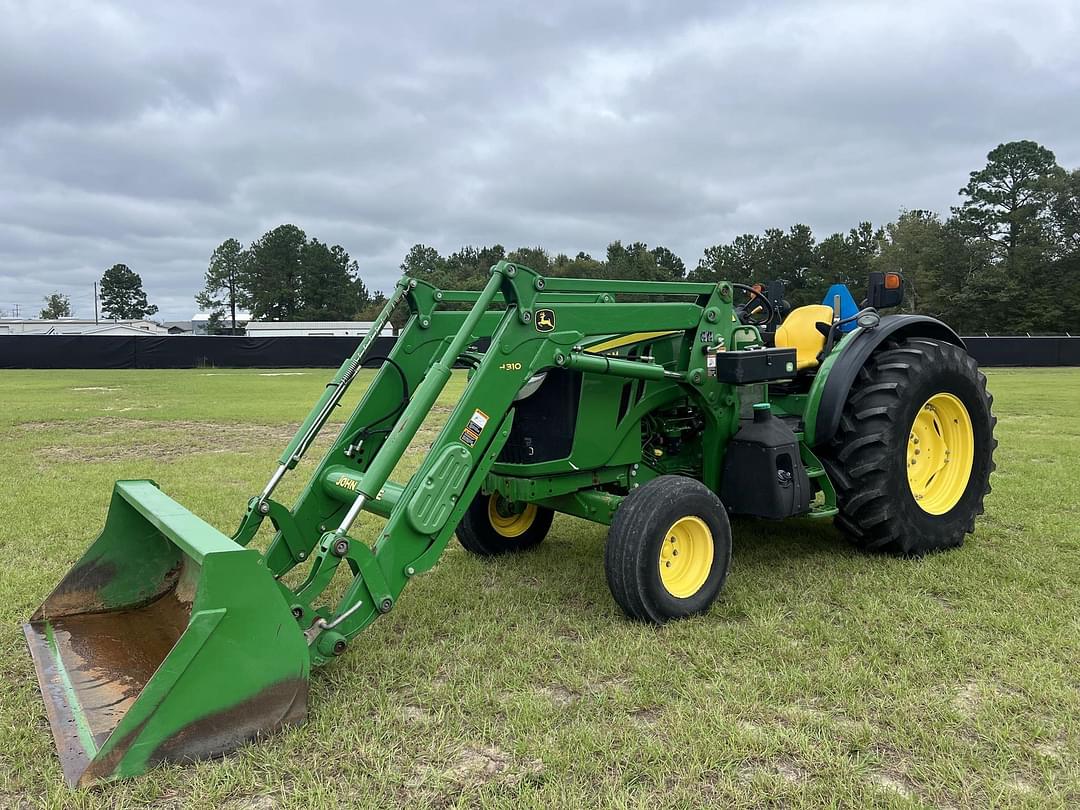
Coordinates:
493 525
668 550
912 459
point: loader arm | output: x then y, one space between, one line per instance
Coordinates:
422 513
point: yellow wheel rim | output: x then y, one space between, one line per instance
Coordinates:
941 450
686 556
510 520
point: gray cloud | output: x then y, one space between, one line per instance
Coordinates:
147 133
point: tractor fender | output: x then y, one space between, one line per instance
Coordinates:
823 421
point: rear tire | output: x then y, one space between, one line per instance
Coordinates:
917 402
668 550
492 525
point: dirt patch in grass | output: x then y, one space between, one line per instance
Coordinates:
967 699
108 439
415 714
476 765
111 426
752 730
970 698
814 714
104 440
787 769
609 683
559 695
895 783
1052 749
1020 785
262 802
10 801
647 717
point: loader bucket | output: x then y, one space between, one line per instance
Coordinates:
166 642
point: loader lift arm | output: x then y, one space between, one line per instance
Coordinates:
422 513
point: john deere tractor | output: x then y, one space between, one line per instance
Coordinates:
657 409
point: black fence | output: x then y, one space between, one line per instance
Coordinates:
184 351
1025 351
179 351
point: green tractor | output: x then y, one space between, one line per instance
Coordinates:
656 408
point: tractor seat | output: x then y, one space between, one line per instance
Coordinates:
800 332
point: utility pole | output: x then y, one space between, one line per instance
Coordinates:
95 303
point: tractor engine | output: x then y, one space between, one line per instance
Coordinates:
669 440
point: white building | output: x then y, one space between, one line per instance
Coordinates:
313 329
78 326
200 320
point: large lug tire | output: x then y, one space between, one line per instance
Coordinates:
668 550
492 525
912 459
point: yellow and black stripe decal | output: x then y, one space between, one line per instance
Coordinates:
627 340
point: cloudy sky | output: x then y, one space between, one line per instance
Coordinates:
147 133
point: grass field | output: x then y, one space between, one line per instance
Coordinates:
822 677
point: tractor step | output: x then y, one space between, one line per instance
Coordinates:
815 471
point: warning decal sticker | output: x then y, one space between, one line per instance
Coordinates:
477 422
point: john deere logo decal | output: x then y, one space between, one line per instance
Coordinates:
545 320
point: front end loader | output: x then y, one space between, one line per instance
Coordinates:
656 408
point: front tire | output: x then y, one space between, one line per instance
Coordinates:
912 459
668 550
493 525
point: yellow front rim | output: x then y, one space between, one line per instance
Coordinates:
686 556
508 520
941 450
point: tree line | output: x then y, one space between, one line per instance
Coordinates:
282 276
1005 260
122 298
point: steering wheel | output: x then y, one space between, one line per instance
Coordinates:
758 310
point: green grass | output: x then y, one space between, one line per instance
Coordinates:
822 677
